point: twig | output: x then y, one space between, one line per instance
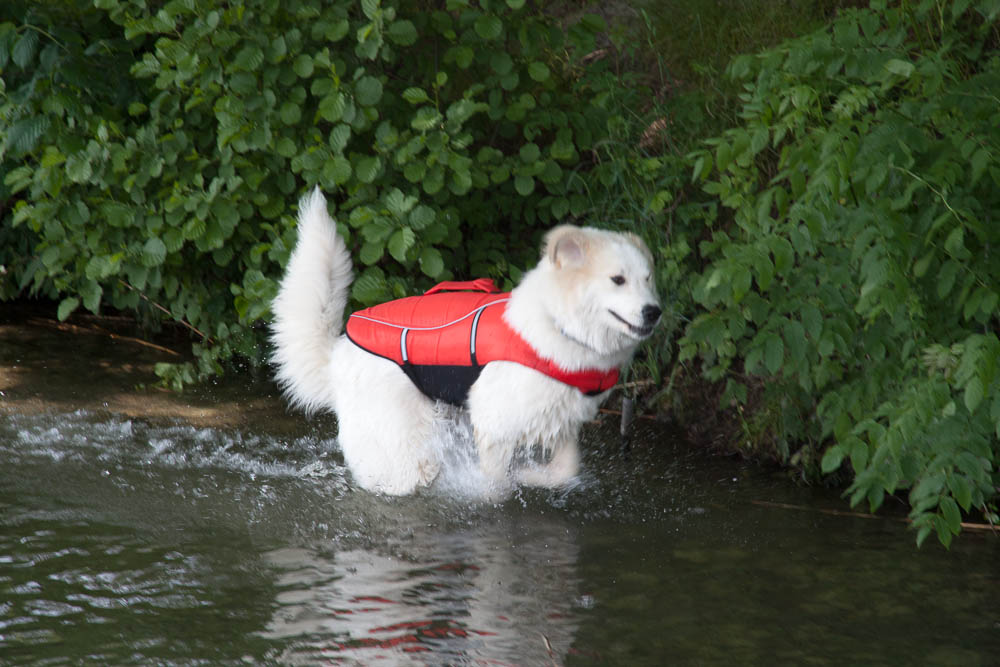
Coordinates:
548 648
205 337
980 527
66 326
618 413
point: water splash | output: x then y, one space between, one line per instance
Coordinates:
83 436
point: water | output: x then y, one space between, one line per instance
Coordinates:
138 527
128 541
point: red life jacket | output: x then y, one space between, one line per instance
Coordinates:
442 340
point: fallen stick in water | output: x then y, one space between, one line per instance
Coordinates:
981 527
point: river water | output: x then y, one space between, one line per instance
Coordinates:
128 539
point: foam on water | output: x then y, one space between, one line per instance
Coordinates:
87 437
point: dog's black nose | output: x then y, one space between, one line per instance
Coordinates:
651 313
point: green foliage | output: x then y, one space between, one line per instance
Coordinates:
856 279
699 38
153 152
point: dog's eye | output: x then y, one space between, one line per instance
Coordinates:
618 280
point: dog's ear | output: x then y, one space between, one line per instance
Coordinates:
566 245
637 241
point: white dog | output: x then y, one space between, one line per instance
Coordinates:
584 308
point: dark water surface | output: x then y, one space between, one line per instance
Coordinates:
128 541
235 536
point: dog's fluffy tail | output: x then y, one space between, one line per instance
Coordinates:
309 308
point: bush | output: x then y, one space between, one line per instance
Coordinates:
154 151
855 284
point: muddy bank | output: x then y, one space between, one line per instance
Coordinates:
105 366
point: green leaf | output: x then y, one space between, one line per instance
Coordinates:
463 56
489 27
249 58
371 252
723 155
425 119
91 293
367 169
332 106
24 49
78 167
398 203
434 180
336 171
501 63
951 514
921 265
784 254
859 454
400 242
402 32
794 334
303 66
538 71
370 8
928 487
66 307
51 257
812 320
337 30
946 278
23 136
524 185
290 113
98 267
153 252
774 353
415 95
339 136
961 490
560 207
431 262
368 91
285 147
370 287
955 243
752 359
421 217
974 393
923 532
832 459
900 67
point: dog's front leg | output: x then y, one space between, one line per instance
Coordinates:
561 468
494 462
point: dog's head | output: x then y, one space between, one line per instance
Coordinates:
606 296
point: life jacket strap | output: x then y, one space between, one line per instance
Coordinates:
477 285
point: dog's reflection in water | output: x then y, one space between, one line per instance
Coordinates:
506 593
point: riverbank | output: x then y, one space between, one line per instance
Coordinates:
118 367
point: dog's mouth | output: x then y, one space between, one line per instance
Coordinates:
643 331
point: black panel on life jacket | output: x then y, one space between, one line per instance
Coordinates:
450 384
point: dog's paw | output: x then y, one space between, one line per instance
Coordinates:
560 471
427 472
544 477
